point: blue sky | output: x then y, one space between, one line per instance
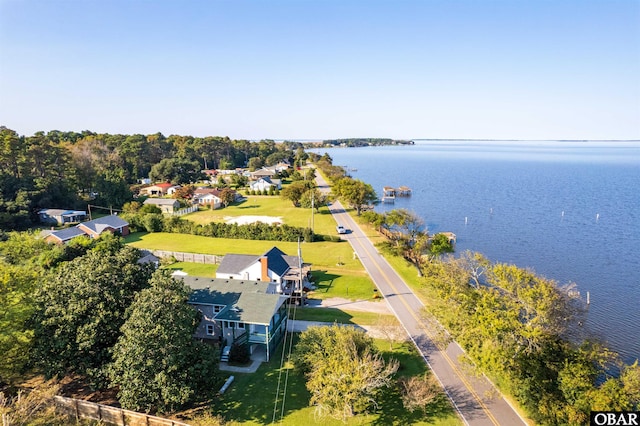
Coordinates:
543 69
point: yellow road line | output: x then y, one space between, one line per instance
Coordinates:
419 321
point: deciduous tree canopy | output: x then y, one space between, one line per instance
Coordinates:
157 363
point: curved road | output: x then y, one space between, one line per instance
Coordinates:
475 398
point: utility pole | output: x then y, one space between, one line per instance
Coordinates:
313 196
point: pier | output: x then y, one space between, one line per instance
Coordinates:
389 193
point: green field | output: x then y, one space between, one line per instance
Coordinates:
263 205
335 271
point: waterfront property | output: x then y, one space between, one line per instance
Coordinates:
239 311
389 193
289 273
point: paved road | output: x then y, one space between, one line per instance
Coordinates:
475 398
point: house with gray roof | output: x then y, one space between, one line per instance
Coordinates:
93 228
61 216
289 273
239 311
167 205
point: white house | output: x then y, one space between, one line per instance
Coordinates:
207 197
265 184
273 266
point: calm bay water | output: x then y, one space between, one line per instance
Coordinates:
568 210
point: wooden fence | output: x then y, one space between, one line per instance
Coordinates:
112 415
210 259
184 211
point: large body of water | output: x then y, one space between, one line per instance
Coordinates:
568 210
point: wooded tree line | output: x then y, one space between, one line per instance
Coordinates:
101 315
359 142
66 169
524 331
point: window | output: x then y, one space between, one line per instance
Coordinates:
210 330
240 325
217 308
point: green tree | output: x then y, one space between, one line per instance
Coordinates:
228 196
294 191
158 365
112 188
17 284
355 192
255 163
176 171
80 308
345 374
439 245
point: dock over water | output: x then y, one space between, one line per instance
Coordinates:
389 193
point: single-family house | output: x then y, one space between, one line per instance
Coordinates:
172 189
63 236
281 166
157 190
167 205
112 223
207 197
265 183
289 273
93 228
60 216
239 311
262 173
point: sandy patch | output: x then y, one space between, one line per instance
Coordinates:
245 220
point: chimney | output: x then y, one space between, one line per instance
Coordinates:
264 263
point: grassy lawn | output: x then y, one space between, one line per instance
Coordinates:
251 399
263 205
335 256
338 315
336 274
196 269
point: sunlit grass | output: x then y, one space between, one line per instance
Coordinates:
340 316
273 206
194 269
253 399
322 255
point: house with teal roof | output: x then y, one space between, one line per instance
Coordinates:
239 311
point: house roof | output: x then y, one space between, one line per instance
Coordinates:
61 212
99 225
203 191
67 233
161 201
235 263
164 185
277 261
252 302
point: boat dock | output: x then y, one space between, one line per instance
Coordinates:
389 193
